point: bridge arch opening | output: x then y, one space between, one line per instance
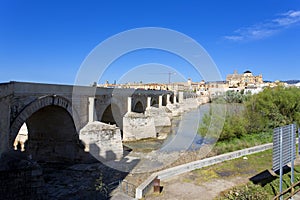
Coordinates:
139 108
51 131
107 116
171 98
52 135
154 103
21 138
164 100
112 115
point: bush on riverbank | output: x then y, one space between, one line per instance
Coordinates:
243 142
272 108
235 124
256 114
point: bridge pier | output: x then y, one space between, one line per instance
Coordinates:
168 99
138 126
162 121
160 101
92 114
129 101
102 140
180 97
148 102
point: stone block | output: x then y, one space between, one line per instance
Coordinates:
138 126
102 140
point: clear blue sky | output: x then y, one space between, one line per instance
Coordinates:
46 41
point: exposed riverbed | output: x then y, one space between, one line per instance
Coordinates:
182 135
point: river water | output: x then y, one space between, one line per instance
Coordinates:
182 136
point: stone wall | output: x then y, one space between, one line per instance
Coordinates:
4 124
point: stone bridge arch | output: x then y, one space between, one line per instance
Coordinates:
139 103
164 100
112 115
139 107
36 112
154 102
40 103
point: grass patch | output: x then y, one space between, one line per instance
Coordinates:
254 164
249 192
247 167
243 142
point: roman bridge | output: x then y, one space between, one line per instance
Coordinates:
54 114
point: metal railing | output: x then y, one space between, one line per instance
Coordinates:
127 188
291 189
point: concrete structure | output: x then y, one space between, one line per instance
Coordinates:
55 114
147 185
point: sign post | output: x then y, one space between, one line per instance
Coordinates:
293 155
280 185
284 146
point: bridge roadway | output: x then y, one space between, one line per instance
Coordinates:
54 114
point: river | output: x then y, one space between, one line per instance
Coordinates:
182 135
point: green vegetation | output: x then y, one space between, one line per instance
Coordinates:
233 97
245 168
272 108
249 121
260 191
243 142
239 167
254 114
249 192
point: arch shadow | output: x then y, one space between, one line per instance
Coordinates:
138 107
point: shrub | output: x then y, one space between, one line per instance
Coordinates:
249 192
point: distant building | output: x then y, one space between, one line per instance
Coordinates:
247 79
217 88
236 82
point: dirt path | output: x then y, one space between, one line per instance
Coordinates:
180 188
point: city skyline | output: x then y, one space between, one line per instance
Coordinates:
48 41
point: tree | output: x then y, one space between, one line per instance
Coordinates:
273 107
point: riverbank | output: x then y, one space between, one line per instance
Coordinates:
210 182
177 158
